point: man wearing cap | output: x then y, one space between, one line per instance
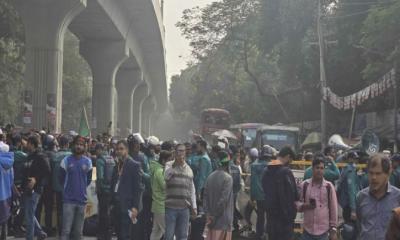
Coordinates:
76 175
256 190
218 202
105 167
280 191
395 176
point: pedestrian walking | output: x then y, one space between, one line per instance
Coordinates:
105 167
218 203
6 183
375 203
319 204
75 176
127 186
280 191
180 201
158 194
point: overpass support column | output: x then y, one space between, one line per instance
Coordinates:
127 80
139 95
148 108
104 58
45 23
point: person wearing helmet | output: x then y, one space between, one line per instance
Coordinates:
395 176
256 191
143 227
348 187
280 191
201 167
218 202
105 169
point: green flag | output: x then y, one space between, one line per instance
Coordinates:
84 129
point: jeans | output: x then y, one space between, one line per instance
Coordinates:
176 223
261 216
278 229
142 230
73 218
158 226
104 216
307 236
32 225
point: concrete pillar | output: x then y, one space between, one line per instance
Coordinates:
140 93
45 23
148 108
104 58
127 80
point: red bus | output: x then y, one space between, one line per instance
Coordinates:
212 120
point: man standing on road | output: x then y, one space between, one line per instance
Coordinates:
376 202
105 166
280 191
201 167
218 203
75 176
331 172
256 189
319 204
180 201
127 186
37 174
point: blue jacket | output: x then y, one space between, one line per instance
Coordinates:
128 186
257 169
201 167
6 183
75 176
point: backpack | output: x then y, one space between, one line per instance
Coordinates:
342 190
109 166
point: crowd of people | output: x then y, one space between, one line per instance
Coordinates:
148 189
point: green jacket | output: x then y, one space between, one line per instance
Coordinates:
56 169
104 172
157 186
19 166
331 172
353 184
257 170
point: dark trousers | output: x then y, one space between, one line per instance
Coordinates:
104 216
261 217
59 205
123 224
236 214
347 219
47 202
278 229
3 235
142 230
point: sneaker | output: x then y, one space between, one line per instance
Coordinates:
42 236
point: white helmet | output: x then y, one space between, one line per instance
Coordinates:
253 152
153 141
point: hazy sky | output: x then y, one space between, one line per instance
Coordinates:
177 47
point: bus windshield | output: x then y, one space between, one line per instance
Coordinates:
279 138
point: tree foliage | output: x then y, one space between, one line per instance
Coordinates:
259 59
